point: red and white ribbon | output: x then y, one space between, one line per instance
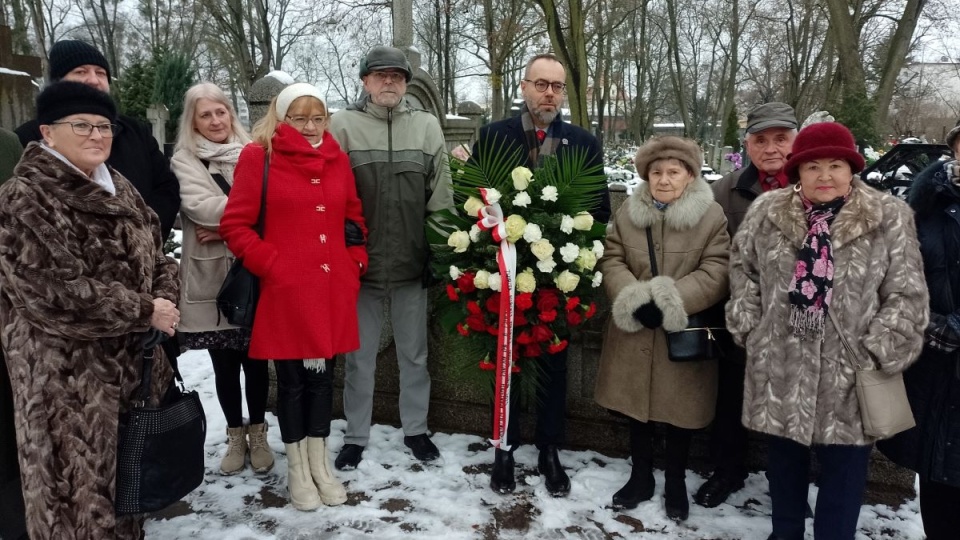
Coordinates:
491 219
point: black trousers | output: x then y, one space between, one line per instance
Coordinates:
13 520
304 400
226 370
728 437
551 403
939 510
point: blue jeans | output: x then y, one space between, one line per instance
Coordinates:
842 480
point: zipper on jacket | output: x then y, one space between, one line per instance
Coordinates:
386 280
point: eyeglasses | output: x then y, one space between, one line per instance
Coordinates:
85 129
300 122
389 76
541 85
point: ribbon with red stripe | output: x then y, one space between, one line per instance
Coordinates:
491 219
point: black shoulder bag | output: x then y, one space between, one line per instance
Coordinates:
699 340
240 292
159 450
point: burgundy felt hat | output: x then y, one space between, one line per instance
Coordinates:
824 140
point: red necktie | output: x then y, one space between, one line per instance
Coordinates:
541 135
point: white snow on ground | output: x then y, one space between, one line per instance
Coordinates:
393 496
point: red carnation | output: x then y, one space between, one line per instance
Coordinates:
523 301
519 319
554 348
541 332
524 338
487 365
571 303
548 316
515 368
465 283
462 329
474 308
590 310
532 350
547 299
475 322
493 330
452 293
493 303
574 318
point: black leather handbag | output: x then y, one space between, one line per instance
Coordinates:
240 292
705 334
159 450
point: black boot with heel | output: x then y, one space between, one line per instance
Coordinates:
639 487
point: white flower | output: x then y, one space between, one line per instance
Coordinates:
494 281
481 279
515 224
586 260
542 249
549 193
461 152
522 199
547 266
473 206
598 248
532 233
455 272
567 281
521 178
583 221
526 282
566 224
475 233
597 279
569 252
493 196
459 241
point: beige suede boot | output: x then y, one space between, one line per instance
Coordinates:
303 494
331 490
235 458
261 457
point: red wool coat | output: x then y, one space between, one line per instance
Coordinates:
309 279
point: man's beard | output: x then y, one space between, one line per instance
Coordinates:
545 117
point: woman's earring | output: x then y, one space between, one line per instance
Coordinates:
796 187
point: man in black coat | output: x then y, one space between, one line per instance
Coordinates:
135 152
537 132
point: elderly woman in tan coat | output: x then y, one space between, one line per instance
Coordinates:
636 377
830 258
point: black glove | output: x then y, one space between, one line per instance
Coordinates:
649 315
354 234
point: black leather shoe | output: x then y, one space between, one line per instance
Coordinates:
717 490
501 478
349 457
638 489
675 499
557 481
422 447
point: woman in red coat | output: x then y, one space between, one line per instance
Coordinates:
309 263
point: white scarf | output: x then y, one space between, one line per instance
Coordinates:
228 152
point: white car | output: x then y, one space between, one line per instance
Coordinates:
709 174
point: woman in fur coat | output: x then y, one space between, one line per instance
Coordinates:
82 278
309 262
636 377
207 151
831 255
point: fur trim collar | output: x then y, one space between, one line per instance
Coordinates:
683 214
861 214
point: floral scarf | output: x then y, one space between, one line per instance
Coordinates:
812 285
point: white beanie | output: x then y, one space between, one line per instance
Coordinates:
290 94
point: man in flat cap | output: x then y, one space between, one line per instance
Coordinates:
771 129
399 160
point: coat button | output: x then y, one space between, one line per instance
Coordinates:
321 208
314 181
325 266
323 239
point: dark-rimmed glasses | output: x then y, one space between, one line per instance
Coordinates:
541 85
85 129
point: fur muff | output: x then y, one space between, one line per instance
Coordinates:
635 376
79 269
803 390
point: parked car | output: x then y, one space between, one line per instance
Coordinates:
894 171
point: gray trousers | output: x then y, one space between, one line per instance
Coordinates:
408 315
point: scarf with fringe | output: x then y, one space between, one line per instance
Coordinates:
812 285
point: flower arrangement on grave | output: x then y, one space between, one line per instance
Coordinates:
519 258
735 159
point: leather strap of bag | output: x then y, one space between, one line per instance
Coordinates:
218 178
653 256
843 339
146 375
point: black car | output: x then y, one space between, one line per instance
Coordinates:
895 170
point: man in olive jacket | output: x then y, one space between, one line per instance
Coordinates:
771 128
399 159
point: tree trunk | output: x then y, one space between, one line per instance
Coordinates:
896 57
572 51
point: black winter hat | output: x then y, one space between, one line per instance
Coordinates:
381 57
67 54
64 98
